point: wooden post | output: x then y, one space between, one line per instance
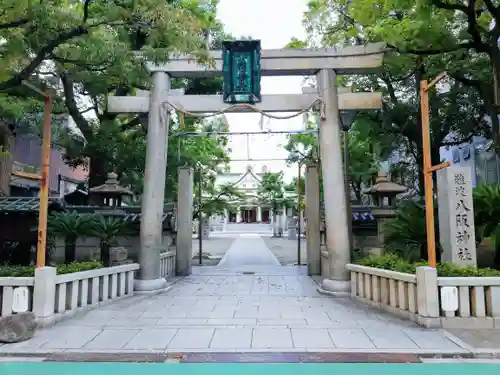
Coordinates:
299 216
428 168
44 182
44 178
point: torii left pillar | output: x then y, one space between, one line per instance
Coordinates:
153 196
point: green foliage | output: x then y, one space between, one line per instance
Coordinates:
486 200
363 154
356 255
272 192
97 35
108 228
425 39
445 269
22 271
97 49
69 224
216 199
405 234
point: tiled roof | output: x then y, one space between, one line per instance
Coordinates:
32 204
25 204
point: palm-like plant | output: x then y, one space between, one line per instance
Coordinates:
487 216
405 234
107 229
70 226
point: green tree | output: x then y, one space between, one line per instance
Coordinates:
272 192
96 34
364 154
455 116
216 199
96 49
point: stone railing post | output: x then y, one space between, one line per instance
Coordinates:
427 296
44 295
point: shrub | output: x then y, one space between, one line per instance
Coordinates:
71 226
108 229
405 234
394 263
24 271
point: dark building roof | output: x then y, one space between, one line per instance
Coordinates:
27 204
32 205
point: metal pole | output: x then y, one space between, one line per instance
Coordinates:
347 188
299 192
200 221
44 182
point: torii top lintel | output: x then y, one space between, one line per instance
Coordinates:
287 62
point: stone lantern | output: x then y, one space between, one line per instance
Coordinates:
384 188
110 193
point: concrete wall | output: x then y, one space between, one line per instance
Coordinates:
84 247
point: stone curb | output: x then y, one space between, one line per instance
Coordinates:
247 356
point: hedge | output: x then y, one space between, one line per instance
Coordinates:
23 271
446 269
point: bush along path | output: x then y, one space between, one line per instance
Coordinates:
446 269
29 271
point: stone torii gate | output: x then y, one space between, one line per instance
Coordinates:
325 64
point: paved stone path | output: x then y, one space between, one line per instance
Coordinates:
249 251
276 308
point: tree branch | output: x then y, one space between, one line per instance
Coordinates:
86 5
438 51
26 72
16 23
70 101
448 6
93 67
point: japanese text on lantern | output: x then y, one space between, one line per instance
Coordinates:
462 217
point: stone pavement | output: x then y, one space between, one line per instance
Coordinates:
248 250
255 306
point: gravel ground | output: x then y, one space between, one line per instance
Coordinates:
214 246
286 250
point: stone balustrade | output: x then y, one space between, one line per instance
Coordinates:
478 302
7 286
167 264
80 290
53 297
392 291
475 302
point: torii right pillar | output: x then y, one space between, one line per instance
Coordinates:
337 228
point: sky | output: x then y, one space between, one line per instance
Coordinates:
274 23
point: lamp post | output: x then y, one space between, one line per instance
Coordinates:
346 120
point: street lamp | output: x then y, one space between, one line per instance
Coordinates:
346 120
